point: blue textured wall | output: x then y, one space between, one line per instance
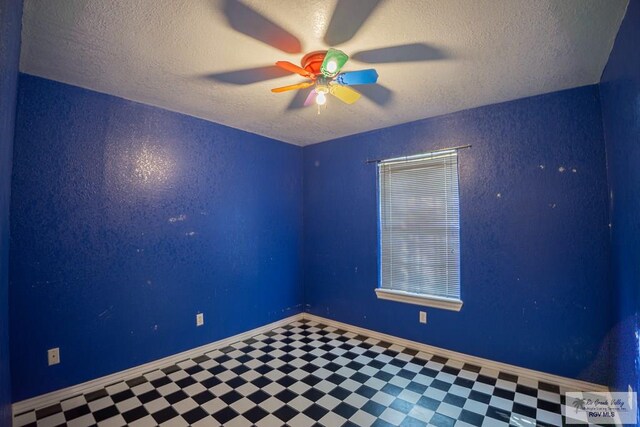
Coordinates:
128 220
534 233
10 23
620 93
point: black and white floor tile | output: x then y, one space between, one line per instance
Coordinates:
309 374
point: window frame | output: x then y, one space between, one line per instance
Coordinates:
427 300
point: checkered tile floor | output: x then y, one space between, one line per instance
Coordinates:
309 374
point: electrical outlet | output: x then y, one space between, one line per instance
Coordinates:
199 319
53 356
423 317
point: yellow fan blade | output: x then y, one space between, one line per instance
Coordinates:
302 85
344 94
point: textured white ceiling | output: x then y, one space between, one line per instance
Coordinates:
171 54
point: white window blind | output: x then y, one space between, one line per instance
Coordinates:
419 224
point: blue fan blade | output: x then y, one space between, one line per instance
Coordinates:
361 77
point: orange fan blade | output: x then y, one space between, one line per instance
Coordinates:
293 68
302 85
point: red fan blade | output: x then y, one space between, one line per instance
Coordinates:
293 68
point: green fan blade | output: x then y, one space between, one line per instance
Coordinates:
333 62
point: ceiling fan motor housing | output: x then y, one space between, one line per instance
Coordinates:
313 61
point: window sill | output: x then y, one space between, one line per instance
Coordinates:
428 301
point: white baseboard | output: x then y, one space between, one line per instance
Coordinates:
45 400
65 393
568 383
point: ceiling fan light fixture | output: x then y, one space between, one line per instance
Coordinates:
321 98
321 90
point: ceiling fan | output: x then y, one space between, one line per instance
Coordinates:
322 68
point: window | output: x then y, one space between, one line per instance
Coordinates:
419 230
